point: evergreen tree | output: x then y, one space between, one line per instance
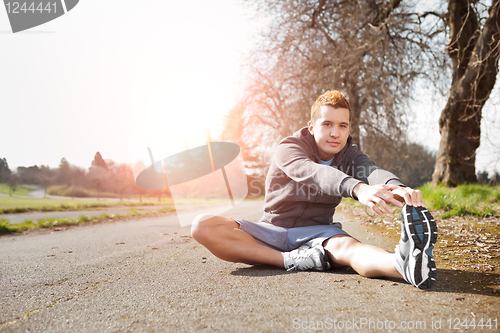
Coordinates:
99 161
4 170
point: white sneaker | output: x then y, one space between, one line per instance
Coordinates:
413 257
305 258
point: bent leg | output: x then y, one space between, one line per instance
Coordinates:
367 260
223 237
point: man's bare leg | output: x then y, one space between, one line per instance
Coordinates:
223 237
367 260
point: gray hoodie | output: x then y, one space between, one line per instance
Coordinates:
301 192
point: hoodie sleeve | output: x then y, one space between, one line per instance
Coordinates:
293 157
366 171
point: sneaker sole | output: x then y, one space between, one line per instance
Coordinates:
422 229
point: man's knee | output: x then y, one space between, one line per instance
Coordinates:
201 225
205 227
340 246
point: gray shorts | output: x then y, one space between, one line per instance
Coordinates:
288 239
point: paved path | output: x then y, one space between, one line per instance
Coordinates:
40 193
149 275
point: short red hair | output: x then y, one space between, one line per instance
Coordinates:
333 98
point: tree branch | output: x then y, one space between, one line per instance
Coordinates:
482 69
464 27
384 14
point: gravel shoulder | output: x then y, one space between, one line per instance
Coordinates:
467 247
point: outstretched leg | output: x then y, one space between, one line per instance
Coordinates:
367 260
412 261
223 237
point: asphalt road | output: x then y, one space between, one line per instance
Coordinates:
149 275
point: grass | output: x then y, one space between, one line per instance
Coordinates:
12 205
20 190
468 228
464 200
476 200
7 228
9 205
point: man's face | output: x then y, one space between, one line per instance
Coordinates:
330 131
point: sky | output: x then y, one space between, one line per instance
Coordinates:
119 76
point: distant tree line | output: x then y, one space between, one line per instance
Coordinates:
4 170
104 178
483 178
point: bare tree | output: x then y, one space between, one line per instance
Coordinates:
45 178
122 179
372 50
98 178
13 181
474 48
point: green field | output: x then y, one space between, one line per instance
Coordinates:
18 205
6 227
476 200
12 205
20 190
9 205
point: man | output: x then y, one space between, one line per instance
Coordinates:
310 173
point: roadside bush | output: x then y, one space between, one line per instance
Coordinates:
4 226
77 192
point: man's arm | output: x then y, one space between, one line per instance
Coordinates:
378 197
291 156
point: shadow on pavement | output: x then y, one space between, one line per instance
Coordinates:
259 270
449 281
269 270
460 281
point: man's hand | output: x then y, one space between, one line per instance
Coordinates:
378 197
409 196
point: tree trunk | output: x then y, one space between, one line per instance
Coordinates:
355 115
460 130
475 57
354 101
